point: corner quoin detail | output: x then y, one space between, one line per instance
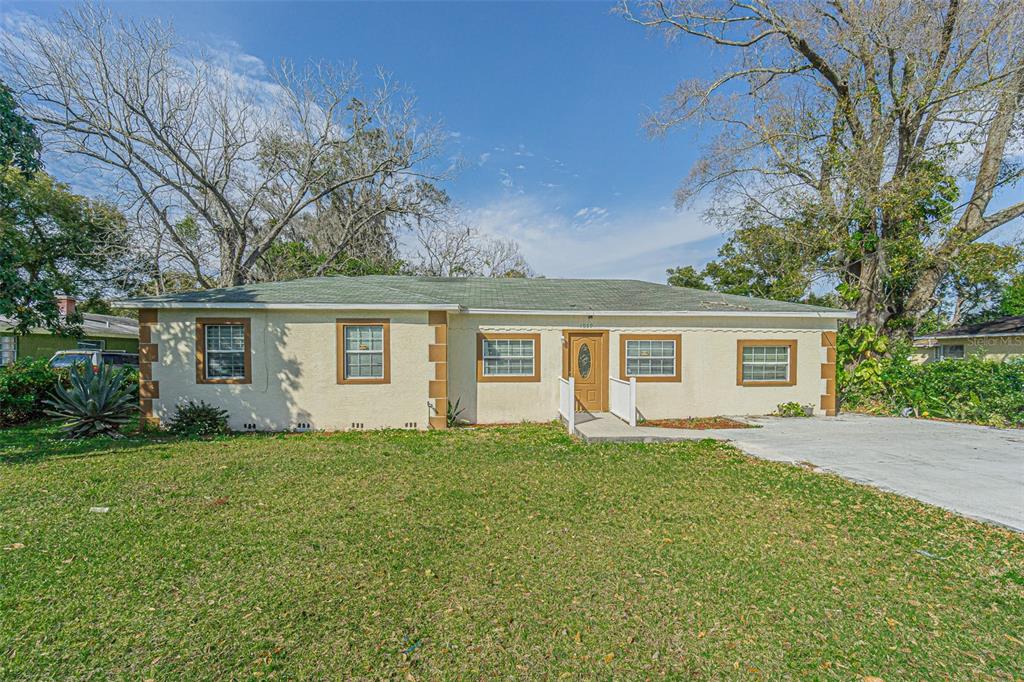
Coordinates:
149 390
828 373
437 355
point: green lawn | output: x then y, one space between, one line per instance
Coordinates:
508 551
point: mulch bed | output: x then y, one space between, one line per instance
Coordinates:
699 423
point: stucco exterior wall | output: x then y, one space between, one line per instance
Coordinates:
294 371
995 348
708 382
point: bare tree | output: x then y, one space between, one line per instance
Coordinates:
449 251
221 164
861 122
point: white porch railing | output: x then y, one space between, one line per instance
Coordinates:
567 403
622 399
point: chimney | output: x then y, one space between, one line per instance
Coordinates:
66 305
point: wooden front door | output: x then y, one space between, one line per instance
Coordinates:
588 366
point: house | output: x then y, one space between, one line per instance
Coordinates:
1001 339
99 332
390 351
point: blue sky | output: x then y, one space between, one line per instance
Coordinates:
544 103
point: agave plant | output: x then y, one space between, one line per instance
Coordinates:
97 403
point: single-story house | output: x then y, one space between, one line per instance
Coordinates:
999 340
339 353
99 332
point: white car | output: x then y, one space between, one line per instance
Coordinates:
94 358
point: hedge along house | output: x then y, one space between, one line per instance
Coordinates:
99 332
390 351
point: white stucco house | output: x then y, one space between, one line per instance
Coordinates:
336 353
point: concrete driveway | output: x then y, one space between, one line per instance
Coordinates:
973 470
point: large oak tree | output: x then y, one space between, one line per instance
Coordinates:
877 135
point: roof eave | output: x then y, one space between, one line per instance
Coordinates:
838 314
938 337
205 305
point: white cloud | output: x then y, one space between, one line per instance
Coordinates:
483 158
638 244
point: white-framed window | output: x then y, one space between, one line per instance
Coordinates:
225 351
8 350
766 363
91 344
651 357
949 351
364 351
509 357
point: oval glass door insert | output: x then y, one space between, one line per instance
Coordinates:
583 361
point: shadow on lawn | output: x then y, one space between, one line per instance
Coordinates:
42 441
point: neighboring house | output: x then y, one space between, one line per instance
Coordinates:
390 351
1000 340
99 332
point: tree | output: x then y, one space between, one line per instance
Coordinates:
979 276
19 145
686 276
1011 302
464 252
858 124
214 167
51 241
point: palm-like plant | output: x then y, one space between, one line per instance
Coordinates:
97 402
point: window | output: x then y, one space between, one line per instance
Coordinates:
223 350
90 344
650 357
8 350
766 363
508 357
364 352
949 352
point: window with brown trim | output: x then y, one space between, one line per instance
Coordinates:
650 357
223 350
507 357
766 362
364 351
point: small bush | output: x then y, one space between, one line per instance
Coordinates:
794 409
23 387
884 380
97 403
198 419
454 416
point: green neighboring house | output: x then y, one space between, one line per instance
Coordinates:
100 332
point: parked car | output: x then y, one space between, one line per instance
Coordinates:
94 358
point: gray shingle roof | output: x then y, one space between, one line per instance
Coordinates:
480 293
1004 326
92 325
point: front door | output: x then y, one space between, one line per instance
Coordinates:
587 367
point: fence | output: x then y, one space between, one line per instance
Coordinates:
622 399
567 403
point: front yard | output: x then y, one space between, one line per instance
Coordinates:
508 551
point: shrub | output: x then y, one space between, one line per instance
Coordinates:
23 386
971 389
198 419
96 403
454 416
794 409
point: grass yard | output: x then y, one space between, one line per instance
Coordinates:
510 551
